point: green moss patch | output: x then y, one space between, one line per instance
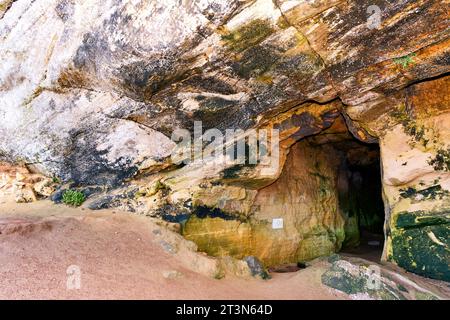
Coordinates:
420 243
248 35
410 125
431 193
300 67
441 162
214 103
339 278
425 296
352 235
255 62
415 251
418 219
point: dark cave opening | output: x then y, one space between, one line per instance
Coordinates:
359 189
356 166
361 201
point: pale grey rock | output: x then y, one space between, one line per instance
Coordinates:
80 80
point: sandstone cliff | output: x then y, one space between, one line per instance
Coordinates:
91 92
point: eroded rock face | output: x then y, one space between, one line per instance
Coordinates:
414 134
90 94
372 282
304 196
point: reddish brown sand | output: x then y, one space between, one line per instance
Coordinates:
118 258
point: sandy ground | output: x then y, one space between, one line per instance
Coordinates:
118 259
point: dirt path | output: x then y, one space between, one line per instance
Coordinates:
118 258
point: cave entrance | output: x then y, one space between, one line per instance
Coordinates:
359 189
360 199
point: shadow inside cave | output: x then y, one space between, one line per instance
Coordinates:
361 202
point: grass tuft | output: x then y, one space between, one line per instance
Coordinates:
73 198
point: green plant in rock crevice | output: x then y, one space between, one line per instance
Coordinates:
405 61
73 198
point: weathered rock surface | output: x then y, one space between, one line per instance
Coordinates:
364 281
90 93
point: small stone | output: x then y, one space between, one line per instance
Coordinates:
156 232
102 203
56 197
172 274
24 195
44 187
89 191
256 267
235 267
